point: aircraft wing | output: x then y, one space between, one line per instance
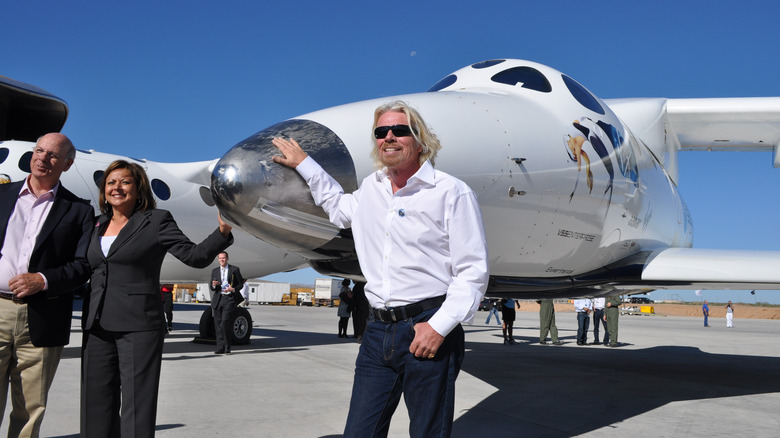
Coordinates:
27 112
691 268
746 124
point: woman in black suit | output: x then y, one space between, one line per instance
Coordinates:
122 318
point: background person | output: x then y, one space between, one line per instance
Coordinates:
226 284
729 315
705 309
44 234
359 310
494 304
123 321
345 307
612 316
508 315
167 297
245 295
598 319
547 322
583 307
425 266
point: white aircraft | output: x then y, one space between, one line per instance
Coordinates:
27 112
578 195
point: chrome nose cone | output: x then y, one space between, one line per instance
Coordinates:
271 201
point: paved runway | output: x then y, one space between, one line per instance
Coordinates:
671 377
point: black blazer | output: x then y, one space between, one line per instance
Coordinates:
125 284
60 254
234 279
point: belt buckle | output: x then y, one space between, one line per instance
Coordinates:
386 315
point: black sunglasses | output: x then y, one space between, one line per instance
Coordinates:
398 131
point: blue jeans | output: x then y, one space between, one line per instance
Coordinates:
385 369
493 310
598 318
583 321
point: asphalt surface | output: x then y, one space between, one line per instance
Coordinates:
670 377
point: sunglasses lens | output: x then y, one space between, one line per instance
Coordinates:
381 131
401 131
398 131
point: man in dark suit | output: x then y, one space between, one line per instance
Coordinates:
44 235
226 284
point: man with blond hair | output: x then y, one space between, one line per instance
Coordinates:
421 246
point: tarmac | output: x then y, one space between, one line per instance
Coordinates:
670 377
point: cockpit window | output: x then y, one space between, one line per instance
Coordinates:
444 83
161 189
486 64
582 95
528 77
96 176
3 154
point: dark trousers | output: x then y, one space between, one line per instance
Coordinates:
385 369
120 371
598 319
224 314
583 322
343 324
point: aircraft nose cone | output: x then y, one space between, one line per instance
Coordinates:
271 201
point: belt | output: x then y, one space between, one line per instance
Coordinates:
401 313
12 297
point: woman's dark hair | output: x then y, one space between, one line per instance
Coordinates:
145 197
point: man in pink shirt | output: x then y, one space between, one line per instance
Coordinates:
44 234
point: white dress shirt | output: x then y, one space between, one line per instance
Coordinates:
598 303
424 241
225 284
22 231
583 303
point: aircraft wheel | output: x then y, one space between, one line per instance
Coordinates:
242 326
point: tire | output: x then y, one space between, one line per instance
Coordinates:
242 326
206 325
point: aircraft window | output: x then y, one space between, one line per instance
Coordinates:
444 83
24 162
161 189
486 64
96 176
3 154
530 78
582 95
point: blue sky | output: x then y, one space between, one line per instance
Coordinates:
185 80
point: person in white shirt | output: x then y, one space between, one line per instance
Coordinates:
584 307
729 315
421 245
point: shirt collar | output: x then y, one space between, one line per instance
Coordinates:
425 175
27 190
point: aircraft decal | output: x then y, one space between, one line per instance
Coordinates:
598 134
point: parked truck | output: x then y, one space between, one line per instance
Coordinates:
326 290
